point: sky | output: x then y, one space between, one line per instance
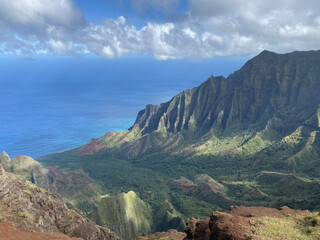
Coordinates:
162 29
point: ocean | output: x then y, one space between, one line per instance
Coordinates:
51 103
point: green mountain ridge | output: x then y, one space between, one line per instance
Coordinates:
253 137
271 90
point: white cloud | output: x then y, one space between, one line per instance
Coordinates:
108 52
208 29
33 14
189 33
60 47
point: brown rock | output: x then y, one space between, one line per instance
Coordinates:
226 226
170 235
202 231
191 228
197 229
31 208
265 212
234 225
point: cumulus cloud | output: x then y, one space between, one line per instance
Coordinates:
208 29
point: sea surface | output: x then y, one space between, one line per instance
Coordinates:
50 103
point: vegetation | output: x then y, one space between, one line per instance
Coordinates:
256 133
24 214
27 191
300 228
125 214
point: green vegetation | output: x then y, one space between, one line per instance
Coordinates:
300 228
24 214
256 134
126 214
27 191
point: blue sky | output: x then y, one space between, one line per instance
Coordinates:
96 10
163 29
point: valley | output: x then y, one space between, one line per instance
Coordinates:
250 139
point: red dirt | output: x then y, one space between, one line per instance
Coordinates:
265 212
8 232
91 147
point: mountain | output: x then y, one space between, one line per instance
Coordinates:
249 139
32 209
125 214
271 90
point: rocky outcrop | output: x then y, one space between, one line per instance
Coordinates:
31 208
237 224
169 235
24 162
72 186
4 158
242 223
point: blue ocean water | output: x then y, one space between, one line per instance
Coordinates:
50 104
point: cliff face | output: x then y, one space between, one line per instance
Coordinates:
31 208
281 90
71 186
125 214
266 86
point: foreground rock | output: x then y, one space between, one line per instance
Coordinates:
240 223
72 186
244 223
31 208
170 235
7 231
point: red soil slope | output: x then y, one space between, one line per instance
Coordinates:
8 232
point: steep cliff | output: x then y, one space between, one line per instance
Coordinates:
31 208
125 214
272 92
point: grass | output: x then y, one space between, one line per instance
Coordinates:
298 228
27 191
24 214
31 185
